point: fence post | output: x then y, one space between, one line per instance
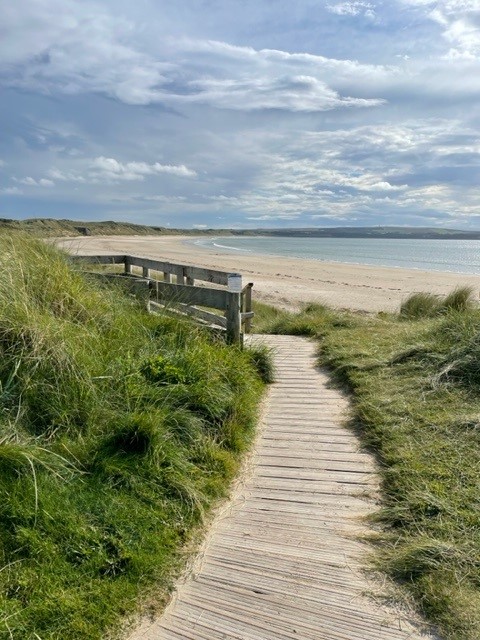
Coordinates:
128 265
233 318
247 306
181 276
233 312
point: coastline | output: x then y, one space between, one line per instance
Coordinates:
253 251
287 282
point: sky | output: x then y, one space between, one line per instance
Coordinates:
245 114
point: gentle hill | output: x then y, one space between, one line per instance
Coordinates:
50 227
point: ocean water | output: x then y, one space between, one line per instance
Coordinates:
457 256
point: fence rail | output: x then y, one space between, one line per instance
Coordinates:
183 295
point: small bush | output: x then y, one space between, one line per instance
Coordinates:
161 370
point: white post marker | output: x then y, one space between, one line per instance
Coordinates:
235 282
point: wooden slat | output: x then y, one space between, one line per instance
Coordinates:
284 560
103 259
184 294
185 271
195 273
206 316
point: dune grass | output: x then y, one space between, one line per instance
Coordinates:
429 305
415 387
313 320
118 431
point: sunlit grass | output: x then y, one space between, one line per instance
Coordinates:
106 469
415 386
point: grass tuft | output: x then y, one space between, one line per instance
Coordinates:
313 320
262 359
420 305
460 299
428 305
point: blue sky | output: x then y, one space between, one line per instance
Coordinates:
241 114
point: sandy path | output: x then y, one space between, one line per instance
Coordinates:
288 281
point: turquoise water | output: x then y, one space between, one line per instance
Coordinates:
458 256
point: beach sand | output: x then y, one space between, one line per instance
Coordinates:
287 282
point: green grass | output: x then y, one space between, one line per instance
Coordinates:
118 432
313 320
428 305
415 387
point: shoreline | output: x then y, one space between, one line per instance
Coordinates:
288 282
250 252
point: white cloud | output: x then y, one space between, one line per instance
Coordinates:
460 21
65 176
164 199
385 168
243 78
343 137
11 191
103 169
273 217
291 93
31 182
113 169
74 47
88 50
353 8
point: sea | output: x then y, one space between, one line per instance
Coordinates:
456 256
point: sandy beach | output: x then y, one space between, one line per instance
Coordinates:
287 282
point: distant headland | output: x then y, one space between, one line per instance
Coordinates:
50 227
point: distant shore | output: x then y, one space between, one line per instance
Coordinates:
64 228
288 282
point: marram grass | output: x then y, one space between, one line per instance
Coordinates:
429 305
118 431
414 380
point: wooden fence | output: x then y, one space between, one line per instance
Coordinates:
183 295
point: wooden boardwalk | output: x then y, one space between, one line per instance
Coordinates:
283 559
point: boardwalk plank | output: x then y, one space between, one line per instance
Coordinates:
284 559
